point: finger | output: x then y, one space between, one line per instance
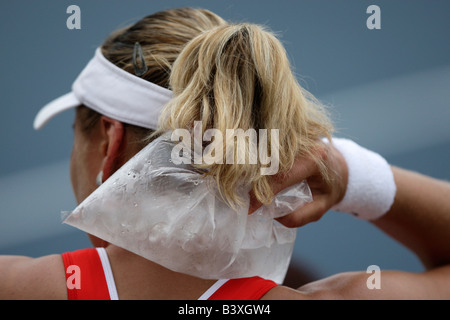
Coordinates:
310 212
255 204
302 169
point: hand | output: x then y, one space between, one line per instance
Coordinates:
325 194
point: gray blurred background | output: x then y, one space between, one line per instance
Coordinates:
388 89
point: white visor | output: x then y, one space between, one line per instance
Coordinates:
113 92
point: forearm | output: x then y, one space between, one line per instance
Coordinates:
418 207
420 216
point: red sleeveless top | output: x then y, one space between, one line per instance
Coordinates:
89 277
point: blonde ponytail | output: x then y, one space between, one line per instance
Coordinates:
239 77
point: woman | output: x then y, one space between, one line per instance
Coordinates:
226 76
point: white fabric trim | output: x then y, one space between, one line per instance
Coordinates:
371 186
108 274
208 293
113 92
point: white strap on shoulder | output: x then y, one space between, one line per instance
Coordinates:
208 293
108 274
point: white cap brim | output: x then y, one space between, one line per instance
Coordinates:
63 103
113 92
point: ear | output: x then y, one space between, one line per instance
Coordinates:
113 133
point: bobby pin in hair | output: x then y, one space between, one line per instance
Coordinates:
140 68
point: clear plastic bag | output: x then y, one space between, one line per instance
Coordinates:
170 214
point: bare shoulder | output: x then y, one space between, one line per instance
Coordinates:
361 285
32 278
284 293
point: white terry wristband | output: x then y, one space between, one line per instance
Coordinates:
371 187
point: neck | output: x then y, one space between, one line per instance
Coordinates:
139 278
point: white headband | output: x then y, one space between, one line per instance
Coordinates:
113 92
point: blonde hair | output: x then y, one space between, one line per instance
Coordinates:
238 76
162 36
